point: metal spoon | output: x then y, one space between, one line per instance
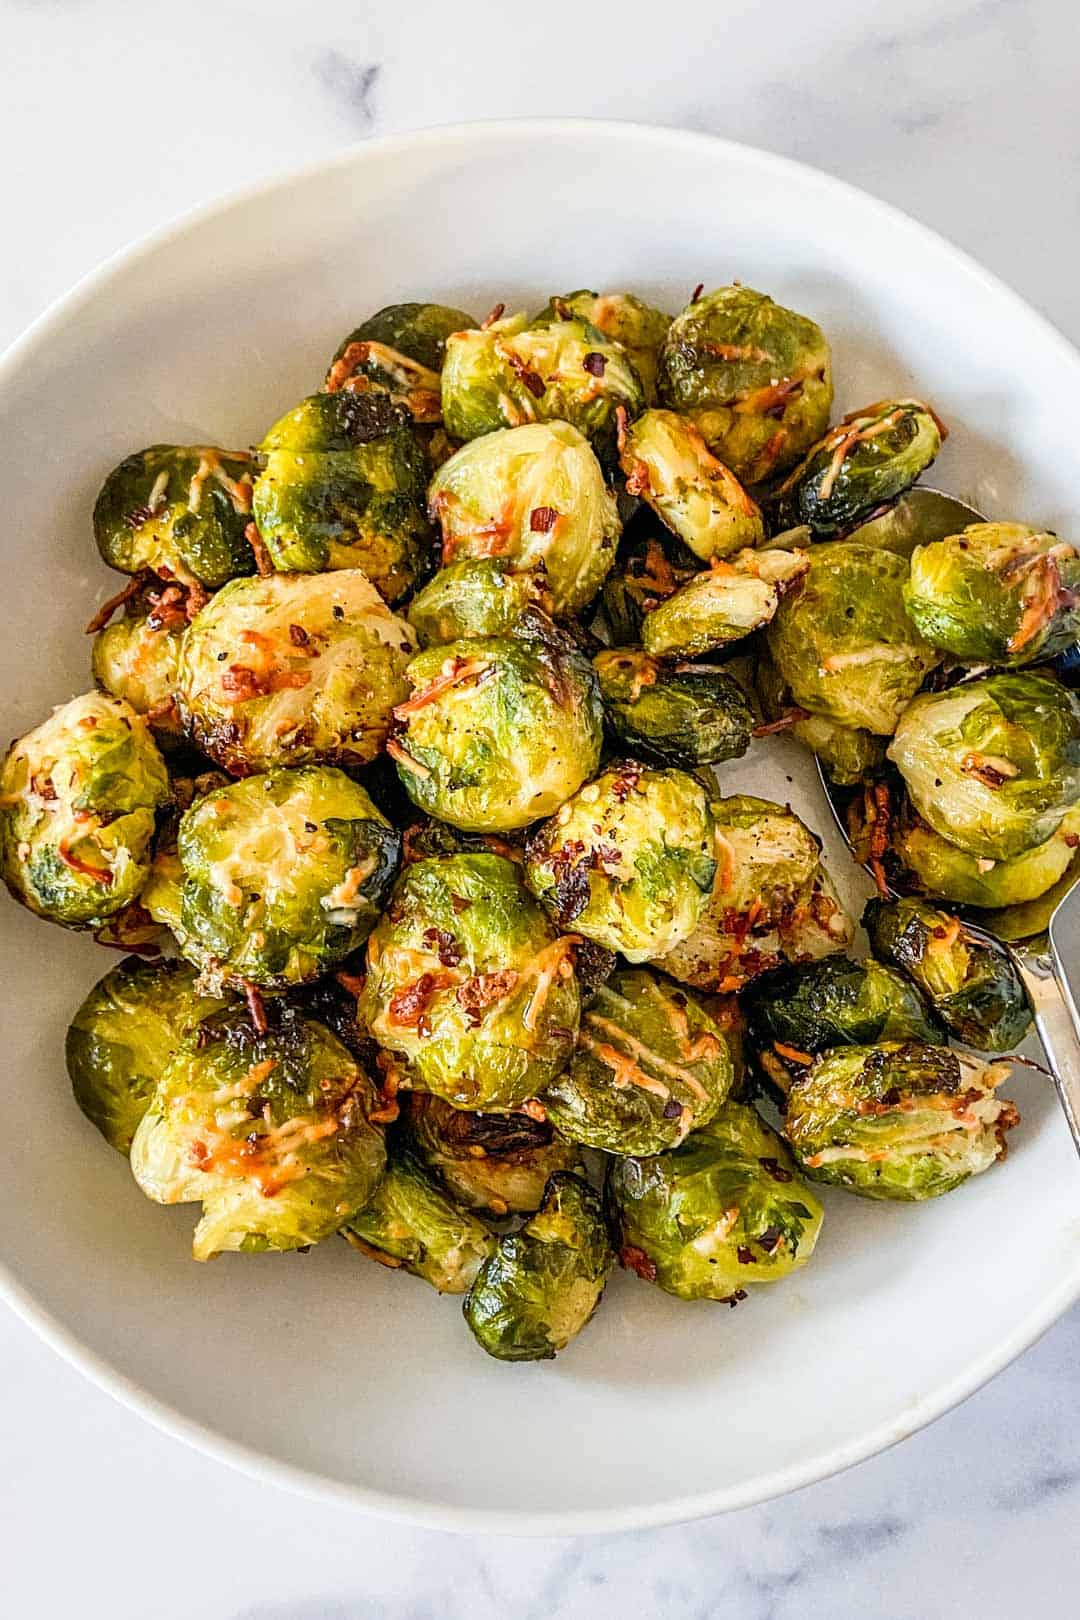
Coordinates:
1041 958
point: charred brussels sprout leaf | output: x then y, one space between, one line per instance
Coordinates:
269 1131
898 1120
623 318
969 880
498 1163
723 1210
723 604
668 464
542 1284
399 351
411 1224
137 659
688 714
480 596
648 568
866 461
178 510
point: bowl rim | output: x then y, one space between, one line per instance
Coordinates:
397 1506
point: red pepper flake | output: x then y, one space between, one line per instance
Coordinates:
444 944
543 519
535 1110
492 316
1071 840
632 1258
483 990
256 1007
595 363
408 1006
460 903
299 636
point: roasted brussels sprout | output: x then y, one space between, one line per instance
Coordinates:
293 668
628 861
755 378
136 658
536 497
468 981
343 485
862 464
648 568
968 979
899 1119
178 510
499 730
77 802
411 1224
723 1210
282 876
849 754
516 371
626 320
668 464
498 1163
728 601
479 596
399 351
651 1066
122 1037
993 765
971 880
999 593
268 1129
682 714
542 1284
844 644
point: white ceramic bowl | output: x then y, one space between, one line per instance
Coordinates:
322 1371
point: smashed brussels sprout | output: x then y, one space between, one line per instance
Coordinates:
626 320
178 510
970 880
863 463
898 1120
269 1130
293 668
399 351
410 1224
77 801
498 1163
754 377
725 603
628 861
542 1284
469 982
721 1211
137 658
536 497
480 596
668 464
681 714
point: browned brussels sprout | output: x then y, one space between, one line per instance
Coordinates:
849 754
137 657
942 869
179 511
648 568
479 596
728 601
399 351
410 1224
668 464
638 327
497 1163
678 714
862 464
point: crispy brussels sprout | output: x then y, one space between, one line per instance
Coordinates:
411 1224
283 876
269 1130
723 604
755 378
498 1163
293 668
499 730
898 1120
862 464
971 880
626 320
628 861
723 1210
669 465
536 497
994 764
343 485
468 981
399 351
77 802
844 644
999 593
968 979
682 714
137 658
178 510
122 1037
651 1066
479 596
542 1284
516 371
648 568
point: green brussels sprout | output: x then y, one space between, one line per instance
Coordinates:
754 377
648 568
999 593
479 596
899 1119
863 463
178 510
293 668
624 319
971 880
682 714
468 981
515 371
725 603
968 979
1028 918
535 496
124 1034
848 753
268 1129
542 1284
844 644
668 464
721 1211
499 730
498 1163
399 351
628 861
136 658
77 802
410 1224
993 765
343 485
650 1067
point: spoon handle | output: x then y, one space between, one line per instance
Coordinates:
1057 1022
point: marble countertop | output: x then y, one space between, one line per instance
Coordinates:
115 117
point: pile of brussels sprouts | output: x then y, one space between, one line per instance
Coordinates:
396 787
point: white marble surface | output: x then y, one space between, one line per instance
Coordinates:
115 117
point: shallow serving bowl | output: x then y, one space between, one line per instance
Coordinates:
325 1371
